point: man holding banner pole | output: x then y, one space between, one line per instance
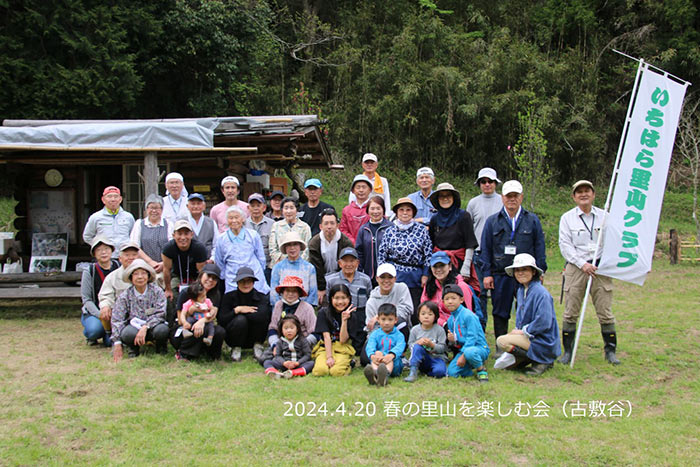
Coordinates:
579 229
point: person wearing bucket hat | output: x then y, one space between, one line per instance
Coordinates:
113 285
290 223
245 313
355 213
314 207
482 207
290 291
513 230
294 265
192 347
230 187
152 233
535 339
452 231
425 178
407 245
379 185
112 221
579 229
442 274
139 313
90 284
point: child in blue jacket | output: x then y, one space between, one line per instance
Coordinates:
465 333
384 347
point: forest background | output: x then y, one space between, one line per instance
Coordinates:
455 85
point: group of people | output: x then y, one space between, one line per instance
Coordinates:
383 286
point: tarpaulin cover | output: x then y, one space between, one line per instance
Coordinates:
185 134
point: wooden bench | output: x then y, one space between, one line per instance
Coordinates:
39 293
54 288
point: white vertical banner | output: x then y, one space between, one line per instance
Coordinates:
630 231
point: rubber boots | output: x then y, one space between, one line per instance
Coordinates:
610 340
567 340
412 376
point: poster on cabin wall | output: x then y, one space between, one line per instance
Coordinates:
49 252
52 211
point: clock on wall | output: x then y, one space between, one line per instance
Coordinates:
53 178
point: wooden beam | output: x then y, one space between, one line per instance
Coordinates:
150 173
32 277
29 147
51 293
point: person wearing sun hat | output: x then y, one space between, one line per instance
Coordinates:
407 245
513 230
139 314
535 339
292 303
293 264
112 221
90 284
482 207
579 229
452 231
380 185
314 207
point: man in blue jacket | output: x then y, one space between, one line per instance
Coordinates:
511 231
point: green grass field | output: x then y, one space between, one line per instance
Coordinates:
64 402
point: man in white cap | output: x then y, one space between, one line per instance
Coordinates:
425 179
183 258
229 187
482 207
175 200
511 231
579 229
380 185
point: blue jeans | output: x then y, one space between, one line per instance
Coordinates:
426 363
92 327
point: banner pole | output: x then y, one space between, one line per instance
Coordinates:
623 138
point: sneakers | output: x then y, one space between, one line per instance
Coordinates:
236 354
258 350
132 352
208 340
272 373
482 376
382 375
179 357
287 374
187 333
91 342
370 375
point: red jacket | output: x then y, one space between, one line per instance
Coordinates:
352 217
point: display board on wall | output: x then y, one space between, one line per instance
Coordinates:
52 211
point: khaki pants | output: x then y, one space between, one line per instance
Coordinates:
575 289
342 354
506 341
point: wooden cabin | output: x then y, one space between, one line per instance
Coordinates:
59 184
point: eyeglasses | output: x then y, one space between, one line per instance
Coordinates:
485 181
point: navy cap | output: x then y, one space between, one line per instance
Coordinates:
195 196
276 193
349 251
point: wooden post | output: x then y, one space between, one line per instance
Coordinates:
150 173
674 247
